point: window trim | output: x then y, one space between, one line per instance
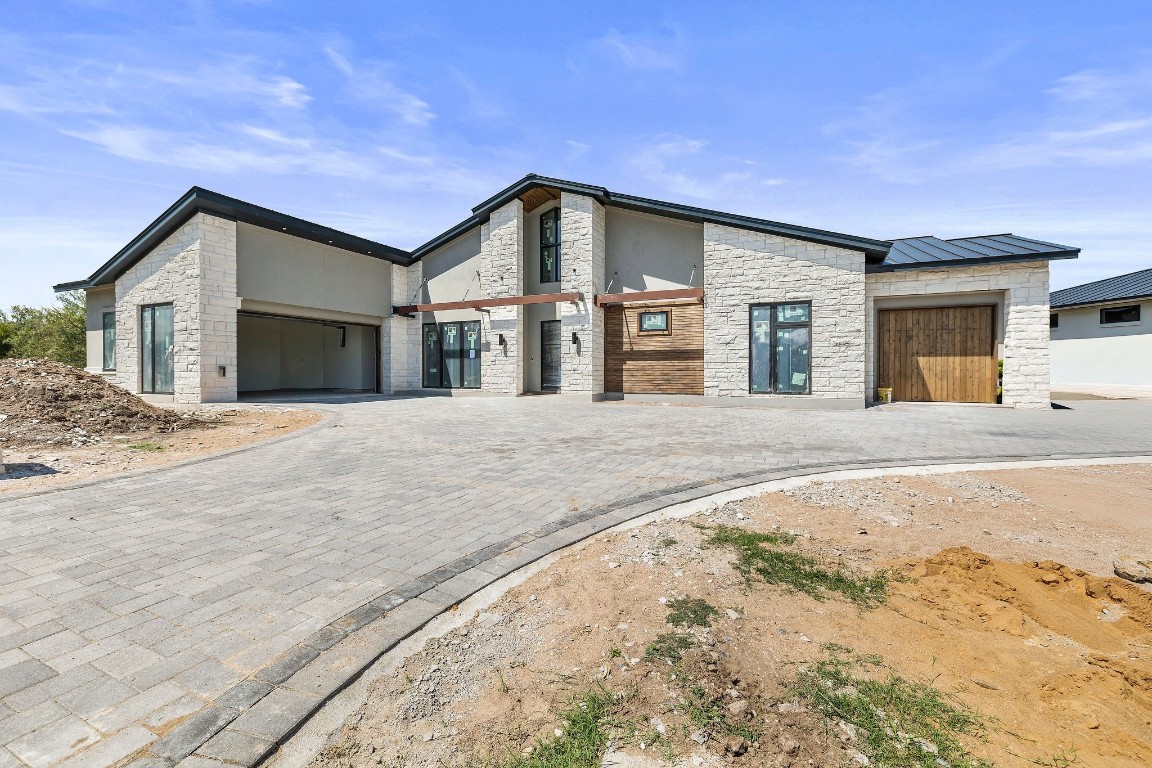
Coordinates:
143 309
1121 308
552 213
104 352
665 331
774 324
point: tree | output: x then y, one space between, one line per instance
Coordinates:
56 333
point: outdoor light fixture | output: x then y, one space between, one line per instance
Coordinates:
223 370
575 338
500 339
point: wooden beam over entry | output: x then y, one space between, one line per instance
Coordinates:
603 299
511 301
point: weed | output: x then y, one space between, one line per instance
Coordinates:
669 646
1062 759
584 736
690 612
147 446
503 683
760 555
710 713
615 653
665 543
902 723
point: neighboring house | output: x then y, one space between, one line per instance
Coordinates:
1102 335
555 286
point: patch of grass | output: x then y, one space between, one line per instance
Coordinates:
710 713
665 543
690 612
615 653
901 723
584 739
669 646
762 556
147 446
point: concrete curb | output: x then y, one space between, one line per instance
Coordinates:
248 723
331 418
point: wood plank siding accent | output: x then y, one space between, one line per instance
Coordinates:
606 299
938 354
657 363
540 298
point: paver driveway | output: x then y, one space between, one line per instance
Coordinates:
128 605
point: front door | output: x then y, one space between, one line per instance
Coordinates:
550 355
452 355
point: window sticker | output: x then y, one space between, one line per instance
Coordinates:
763 331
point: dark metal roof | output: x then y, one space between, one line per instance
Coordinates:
1134 285
922 252
198 200
873 249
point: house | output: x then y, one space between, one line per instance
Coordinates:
557 286
1102 335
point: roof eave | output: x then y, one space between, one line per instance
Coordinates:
1102 302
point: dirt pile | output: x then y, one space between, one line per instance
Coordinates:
45 402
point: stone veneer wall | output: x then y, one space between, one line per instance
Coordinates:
400 336
502 276
194 269
741 268
1025 288
582 269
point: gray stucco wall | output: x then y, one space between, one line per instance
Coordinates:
651 253
97 301
276 267
451 273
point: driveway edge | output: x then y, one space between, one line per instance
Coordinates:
249 723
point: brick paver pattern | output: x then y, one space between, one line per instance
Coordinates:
132 603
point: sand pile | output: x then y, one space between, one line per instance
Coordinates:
45 402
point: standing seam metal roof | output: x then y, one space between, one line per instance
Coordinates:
1134 285
928 251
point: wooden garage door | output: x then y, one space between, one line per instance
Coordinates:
938 354
662 363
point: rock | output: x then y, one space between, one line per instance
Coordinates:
613 565
738 707
788 745
735 746
699 737
862 532
1051 578
859 758
1132 568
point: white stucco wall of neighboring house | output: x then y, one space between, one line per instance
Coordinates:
1087 354
643 252
1020 291
194 269
742 268
97 301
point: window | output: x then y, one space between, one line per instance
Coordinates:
655 322
452 355
109 337
550 246
780 343
1053 320
1129 314
157 369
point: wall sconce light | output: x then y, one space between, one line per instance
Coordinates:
500 339
575 338
223 370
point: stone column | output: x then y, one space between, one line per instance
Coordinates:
217 309
582 269
502 276
401 336
1027 368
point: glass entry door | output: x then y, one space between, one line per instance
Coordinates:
550 355
452 355
157 369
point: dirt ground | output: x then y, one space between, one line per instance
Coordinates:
1001 598
209 429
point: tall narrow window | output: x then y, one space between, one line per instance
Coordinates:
780 338
550 246
109 338
157 369
452 355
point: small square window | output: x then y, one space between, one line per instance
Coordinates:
1129 314
1054 320
655 322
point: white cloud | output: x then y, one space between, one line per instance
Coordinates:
370 83
664 161
644 52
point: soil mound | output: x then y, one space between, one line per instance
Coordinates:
45 402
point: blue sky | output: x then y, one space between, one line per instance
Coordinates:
390 120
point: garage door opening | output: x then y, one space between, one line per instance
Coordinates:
292 354
938 354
